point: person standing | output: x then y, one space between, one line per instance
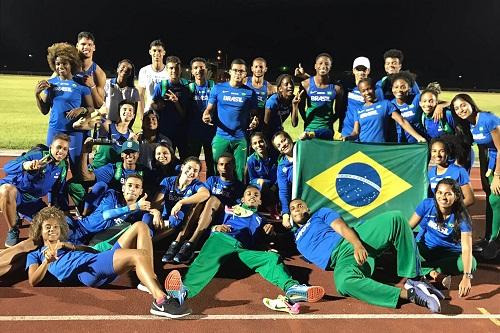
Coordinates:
235 103
92 75
151 74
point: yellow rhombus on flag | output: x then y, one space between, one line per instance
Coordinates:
386 186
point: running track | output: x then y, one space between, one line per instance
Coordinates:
232 303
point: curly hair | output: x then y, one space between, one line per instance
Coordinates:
407 76
66 52
44 215
394 53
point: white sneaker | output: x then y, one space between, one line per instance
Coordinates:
142 287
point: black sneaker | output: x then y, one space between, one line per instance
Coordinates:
480 245
420 295
185 254
410 283
490 251
12 237
169 308
168 257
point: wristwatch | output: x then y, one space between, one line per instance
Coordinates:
469 276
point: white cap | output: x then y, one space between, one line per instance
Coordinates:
361 61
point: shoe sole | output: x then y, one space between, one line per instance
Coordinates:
314 294
143 288
169 315
173 281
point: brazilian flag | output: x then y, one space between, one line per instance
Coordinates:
360 180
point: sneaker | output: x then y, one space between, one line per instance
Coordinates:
490 251
303 293
433 290
12 237
174 286
171 252
480 245
185 254
282 304
142 287
420 295
169 308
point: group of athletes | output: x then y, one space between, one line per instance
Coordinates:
131 190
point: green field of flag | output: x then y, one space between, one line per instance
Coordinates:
360 180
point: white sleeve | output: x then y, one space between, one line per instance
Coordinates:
142 79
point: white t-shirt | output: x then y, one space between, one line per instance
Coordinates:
148 78
113 95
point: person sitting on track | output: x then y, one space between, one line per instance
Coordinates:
445 237
324 239
178 196
70 263
236 236
29 178
114 214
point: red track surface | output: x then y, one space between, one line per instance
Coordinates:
237 292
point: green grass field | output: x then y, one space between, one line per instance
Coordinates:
24 126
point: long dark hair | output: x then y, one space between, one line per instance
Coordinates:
462 126
458 209
168 169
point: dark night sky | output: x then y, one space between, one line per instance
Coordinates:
440 39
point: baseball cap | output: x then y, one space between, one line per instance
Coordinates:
361 61
130 145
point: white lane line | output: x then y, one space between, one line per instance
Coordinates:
252 317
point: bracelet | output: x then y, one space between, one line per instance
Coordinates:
93 87
496 173
214 228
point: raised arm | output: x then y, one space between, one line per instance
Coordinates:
41 99
87 175
297 99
